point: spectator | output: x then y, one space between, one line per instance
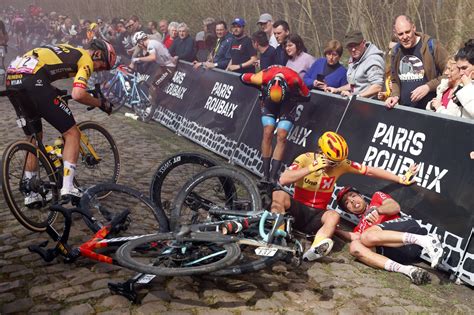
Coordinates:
417 66
3 42
267 53
299 60
243 55
445 90
220 53
163 25
265 22
281 88
383 95
153 29
382 239
366 68
173 34
203 40
183 46
314 175
281 29
462 104
327 71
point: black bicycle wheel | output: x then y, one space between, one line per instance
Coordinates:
105 169
172 173
17 188
145 217
114 92
145 105
165 255
217 187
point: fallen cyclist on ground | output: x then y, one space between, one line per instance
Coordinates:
314 175
384 239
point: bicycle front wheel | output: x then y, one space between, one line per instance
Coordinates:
29 197
103 164
172 173
143 104
166 255
217 187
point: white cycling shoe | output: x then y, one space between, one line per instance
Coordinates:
70 192
323 248
434 250
33 199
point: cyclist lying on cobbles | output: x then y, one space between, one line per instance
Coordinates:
383 239
314 175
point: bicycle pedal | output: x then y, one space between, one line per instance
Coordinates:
125 289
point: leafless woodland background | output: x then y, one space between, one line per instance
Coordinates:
450 21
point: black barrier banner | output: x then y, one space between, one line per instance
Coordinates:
442 195
214 106
323 112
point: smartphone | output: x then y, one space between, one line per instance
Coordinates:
320 77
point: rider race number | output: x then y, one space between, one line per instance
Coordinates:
25 65
266 251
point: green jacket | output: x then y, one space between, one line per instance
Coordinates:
433 65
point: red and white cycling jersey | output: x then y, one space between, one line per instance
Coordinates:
376 201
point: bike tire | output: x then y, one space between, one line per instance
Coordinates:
214 254
13 163
89 170
118 99
217 186
145 216
172 173
147 106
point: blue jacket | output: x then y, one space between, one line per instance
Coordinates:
281 56
222 56
336 79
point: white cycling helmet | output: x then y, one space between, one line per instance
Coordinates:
138 36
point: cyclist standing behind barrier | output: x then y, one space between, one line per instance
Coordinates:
281 88
31 76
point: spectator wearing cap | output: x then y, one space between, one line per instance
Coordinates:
327 71
265 22
281 30
266 52
366 68
243 54
299 60
183 46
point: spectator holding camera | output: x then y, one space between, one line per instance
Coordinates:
327 71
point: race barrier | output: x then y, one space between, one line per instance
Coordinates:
214 109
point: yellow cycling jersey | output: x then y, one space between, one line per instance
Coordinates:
63 61
315 189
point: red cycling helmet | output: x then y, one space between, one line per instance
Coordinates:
342 193
276 89
107 55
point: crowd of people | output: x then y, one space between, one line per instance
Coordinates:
416 72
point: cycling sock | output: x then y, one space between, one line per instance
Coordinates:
393 266
317 239
68 175
421 240
274 174
266 168
29 175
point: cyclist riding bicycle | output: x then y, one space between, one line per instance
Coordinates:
281 88
29 78
314 175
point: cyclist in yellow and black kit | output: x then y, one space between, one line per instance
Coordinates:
314 175
31 75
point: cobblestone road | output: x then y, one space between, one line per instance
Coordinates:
337 285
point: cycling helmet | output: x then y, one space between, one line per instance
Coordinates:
334 146
276 89
107 55
138 36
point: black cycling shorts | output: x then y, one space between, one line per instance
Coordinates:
307 219
34 98
406 254
285 110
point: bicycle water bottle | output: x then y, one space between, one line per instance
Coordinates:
52 155
58 147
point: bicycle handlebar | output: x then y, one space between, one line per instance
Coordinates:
275 231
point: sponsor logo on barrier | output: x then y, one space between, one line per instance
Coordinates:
218 100
142 77
381 154
298 134
174 88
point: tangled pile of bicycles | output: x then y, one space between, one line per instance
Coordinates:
200 218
